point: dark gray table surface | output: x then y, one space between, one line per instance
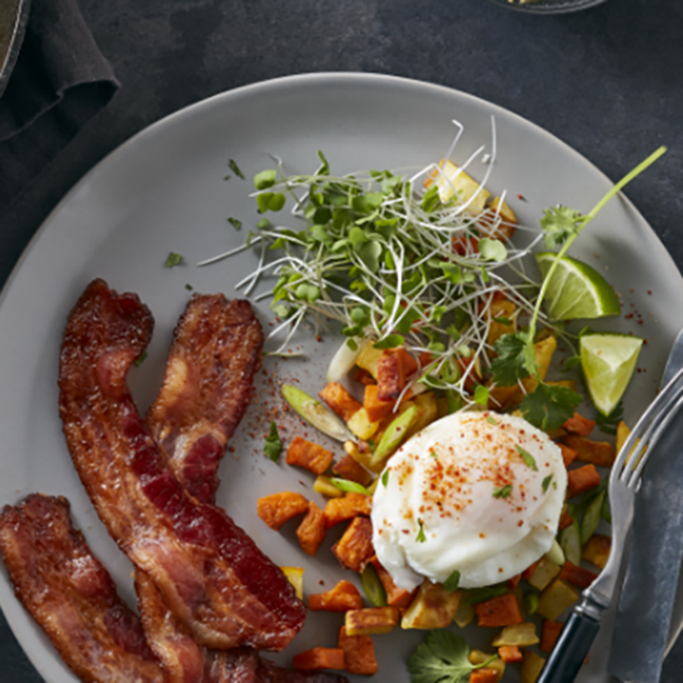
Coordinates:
607 81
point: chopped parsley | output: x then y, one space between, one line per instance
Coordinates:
546 483
527 457
235 169
235 222
421 538
173 259
385 478
503 491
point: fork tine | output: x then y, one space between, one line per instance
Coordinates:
630 461
666 417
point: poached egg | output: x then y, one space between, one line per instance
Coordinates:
479 493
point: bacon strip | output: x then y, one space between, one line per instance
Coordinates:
71 595
215 354
209 572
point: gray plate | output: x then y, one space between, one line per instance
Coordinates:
549 6
13 20
164 190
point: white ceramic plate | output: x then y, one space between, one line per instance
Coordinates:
165 190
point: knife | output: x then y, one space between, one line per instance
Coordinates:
578 634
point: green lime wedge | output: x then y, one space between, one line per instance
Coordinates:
576 290
608 361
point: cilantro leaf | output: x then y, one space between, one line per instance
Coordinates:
173 259
559 223
273 446
527 457
452 582
442 658
510 364
477 595
608 423
549 407
391 341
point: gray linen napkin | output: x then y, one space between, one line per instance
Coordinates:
59 82
653 568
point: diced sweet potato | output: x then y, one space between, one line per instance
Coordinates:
363 377
348 468
500 611
568 454
579 425
514 581
311 531
391 376
581 480
376 408
597 550
278 508
600 453
550 634
371 620
339 400
565 520
577 576
319 658
354 549
510 654
432 607
343 597
351 505
484 675
308 455
359 653
555 599
396 597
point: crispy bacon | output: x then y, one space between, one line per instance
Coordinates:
215 354
209 572
71 595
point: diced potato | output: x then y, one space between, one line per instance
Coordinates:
464 614
521 635
369 357
479 657
354 549
544 572
432 607
452 179
555 599
426 412
597 550
371 620
503 209
361 425
324 486
531 668
623 432
500 309
363 458
295 576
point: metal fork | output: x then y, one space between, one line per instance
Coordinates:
584 623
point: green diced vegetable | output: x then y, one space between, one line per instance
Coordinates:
394 434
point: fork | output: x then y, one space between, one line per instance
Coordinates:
583 624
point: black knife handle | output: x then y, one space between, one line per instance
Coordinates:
571 649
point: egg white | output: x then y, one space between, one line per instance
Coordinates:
476 492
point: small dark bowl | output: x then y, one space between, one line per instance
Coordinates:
549 6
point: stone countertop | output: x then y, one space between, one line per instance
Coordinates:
607 81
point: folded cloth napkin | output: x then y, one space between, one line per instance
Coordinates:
59 82
653 568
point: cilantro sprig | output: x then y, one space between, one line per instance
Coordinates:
443 658
273 445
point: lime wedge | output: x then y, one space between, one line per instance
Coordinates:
608 361
576 290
